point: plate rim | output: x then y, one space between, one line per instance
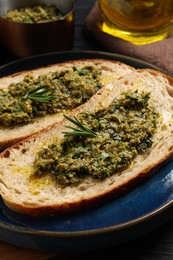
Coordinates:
84 52
97 231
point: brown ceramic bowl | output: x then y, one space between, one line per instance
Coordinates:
25 39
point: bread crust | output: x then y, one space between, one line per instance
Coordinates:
45 197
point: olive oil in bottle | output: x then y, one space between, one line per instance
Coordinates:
137 21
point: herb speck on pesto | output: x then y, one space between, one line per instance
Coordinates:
122 131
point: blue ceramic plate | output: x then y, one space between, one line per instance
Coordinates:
140 211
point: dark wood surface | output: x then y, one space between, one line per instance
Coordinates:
158 245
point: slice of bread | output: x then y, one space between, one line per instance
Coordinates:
110 70
42 195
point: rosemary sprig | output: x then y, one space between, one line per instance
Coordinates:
39 94
82 130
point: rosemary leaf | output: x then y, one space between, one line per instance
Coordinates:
39 94
82 130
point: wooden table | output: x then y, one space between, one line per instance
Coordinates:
156 245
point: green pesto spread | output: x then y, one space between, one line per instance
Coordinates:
123 130
34 14
69 88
